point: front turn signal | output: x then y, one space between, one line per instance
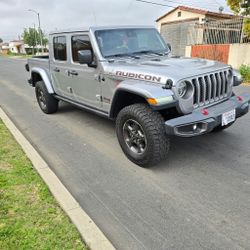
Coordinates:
152 101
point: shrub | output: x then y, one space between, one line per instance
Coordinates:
10 53
245 72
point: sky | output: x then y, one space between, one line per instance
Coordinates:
59 14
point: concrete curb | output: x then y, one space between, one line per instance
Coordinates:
246 84
89 231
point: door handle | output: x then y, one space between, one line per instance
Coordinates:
56 70
73 73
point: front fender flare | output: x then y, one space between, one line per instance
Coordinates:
143 90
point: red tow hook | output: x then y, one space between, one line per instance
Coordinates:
205 112
239 98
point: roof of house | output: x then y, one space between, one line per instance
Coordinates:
198 11
4 44
16 41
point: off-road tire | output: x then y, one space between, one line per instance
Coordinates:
47 102
153 127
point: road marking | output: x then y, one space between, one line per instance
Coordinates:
89 231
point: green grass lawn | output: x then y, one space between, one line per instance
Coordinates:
30 217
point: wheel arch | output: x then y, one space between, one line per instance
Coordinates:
37 75
123 98
130 92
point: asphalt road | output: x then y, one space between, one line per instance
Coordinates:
199 198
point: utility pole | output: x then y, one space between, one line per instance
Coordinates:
39 25
34 52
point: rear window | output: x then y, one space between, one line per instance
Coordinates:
60 48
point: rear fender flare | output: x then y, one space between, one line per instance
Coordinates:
43 74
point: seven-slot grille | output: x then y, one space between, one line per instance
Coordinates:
211 88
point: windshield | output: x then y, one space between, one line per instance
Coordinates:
125 42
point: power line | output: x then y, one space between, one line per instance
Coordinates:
213 4
154 3
217 3
190 3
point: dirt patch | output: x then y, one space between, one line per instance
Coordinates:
5 166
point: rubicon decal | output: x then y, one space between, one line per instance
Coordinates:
138 76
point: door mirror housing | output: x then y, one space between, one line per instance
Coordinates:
85 57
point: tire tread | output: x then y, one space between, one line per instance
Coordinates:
52 103
154 125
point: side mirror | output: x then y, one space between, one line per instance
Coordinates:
169 46
85 57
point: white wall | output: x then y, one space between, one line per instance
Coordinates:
173 17
239 54
188 51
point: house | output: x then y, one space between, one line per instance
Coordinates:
4 48
184 25
17 47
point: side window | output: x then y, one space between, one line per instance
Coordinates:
60 48
80 42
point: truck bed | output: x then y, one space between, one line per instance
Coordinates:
39 62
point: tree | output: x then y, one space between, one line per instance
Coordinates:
1 40
242 7
247 27
44 39
32 37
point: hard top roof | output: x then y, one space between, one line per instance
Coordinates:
94 28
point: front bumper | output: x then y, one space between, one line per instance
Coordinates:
200 122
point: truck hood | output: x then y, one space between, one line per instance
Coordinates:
160 71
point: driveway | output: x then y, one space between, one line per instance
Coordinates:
199 198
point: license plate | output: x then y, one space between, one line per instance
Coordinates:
228 117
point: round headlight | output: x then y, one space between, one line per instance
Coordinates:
182 89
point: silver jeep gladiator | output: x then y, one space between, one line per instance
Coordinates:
128 74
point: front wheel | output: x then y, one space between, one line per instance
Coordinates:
141 134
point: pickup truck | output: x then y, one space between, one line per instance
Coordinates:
128 74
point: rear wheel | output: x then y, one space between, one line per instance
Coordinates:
141 134
46 101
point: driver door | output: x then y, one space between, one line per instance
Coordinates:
83 79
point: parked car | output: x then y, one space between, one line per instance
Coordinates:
128 74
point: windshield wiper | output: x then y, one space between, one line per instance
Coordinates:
123 55
149 52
